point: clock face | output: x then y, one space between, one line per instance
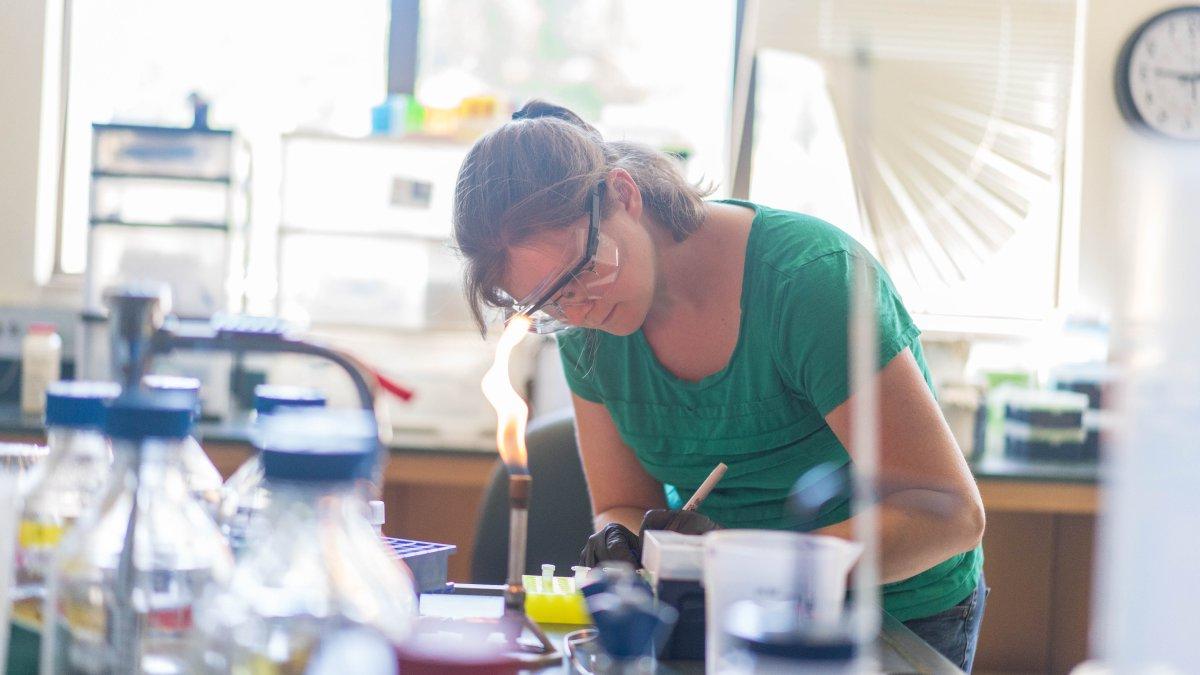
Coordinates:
1161 74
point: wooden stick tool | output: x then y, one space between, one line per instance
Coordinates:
706 487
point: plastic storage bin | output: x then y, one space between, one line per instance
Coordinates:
192 260
161 151
384 185
347 280
1045 425
159 202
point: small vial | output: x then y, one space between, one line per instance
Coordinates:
548 574
377 516
580 576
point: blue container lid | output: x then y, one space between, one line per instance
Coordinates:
149 414
317 445
269 397
78 405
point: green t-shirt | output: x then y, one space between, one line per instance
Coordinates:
764 413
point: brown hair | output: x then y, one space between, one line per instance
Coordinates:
535 173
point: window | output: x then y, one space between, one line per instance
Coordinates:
948 116
296 79
657 72
268 66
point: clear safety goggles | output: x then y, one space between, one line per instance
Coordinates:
587 272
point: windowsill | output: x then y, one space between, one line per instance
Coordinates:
63 290
946 328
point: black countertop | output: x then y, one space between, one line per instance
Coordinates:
237 431
13 423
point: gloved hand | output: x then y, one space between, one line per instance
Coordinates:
614 542
676 520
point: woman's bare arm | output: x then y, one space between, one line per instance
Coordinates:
930 508
621 490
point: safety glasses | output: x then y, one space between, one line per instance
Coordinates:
584 277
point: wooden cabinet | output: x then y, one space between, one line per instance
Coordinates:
1038 561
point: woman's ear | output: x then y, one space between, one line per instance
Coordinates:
625 192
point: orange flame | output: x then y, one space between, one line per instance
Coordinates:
511 411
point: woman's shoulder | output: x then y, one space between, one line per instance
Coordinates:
786 243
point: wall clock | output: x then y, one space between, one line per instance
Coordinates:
1158 74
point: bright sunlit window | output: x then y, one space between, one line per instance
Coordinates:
267 66
657 72
297 81
950 120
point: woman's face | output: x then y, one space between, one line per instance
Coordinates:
619 303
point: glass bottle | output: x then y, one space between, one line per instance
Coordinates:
125 579
203 479
67 482
41 362
312 565
244 493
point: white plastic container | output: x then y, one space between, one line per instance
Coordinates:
41 362
767 565
674 556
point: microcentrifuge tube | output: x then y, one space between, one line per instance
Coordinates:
580 575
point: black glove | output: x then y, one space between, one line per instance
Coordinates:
614 542
676 520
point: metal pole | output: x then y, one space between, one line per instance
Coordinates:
518 498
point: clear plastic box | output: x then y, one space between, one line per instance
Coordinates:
671 555
157 151
159 202
385 185
449 408
395 283
193 261
443 368
351 280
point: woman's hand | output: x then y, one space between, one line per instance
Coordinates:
613 542
616 542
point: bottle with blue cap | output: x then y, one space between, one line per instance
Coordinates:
244 493
312 563
66 483
203 479
126 578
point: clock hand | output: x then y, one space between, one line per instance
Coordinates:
1181 75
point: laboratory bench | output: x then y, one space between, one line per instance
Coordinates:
1041 520
898 649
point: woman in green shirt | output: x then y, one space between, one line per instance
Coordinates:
715 331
